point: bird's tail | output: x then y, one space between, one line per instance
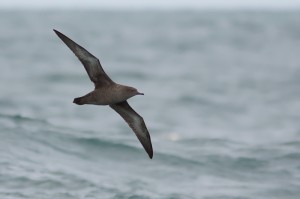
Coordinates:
78 101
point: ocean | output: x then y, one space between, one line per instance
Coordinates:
222 105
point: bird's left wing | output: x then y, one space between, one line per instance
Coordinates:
136 123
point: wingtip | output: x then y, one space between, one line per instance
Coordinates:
147 147
57 32
150 153
150 156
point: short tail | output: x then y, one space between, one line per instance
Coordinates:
78 101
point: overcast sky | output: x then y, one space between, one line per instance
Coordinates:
271 4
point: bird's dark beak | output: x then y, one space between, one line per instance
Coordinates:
138 93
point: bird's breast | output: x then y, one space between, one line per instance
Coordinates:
107 96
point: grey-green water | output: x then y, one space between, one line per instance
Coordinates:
222 104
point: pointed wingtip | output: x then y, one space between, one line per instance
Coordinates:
57 32
150 156
147 147
150 152
60 35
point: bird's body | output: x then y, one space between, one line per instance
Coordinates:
108 95
107 92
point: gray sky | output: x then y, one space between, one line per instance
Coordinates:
277 4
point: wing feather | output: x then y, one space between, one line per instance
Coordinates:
136 123
90 62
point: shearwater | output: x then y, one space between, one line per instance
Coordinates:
107 92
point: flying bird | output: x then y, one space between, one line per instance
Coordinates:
107 92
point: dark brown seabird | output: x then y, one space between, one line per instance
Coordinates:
107 92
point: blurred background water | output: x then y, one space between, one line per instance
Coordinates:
222 105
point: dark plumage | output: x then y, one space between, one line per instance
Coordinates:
107 92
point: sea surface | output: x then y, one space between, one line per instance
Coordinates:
222 105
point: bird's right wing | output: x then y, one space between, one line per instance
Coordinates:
136 123
90 62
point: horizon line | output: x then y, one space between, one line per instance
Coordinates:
153 8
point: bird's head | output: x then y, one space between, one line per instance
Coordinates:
132 92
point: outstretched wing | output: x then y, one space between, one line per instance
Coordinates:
136 123
90 62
